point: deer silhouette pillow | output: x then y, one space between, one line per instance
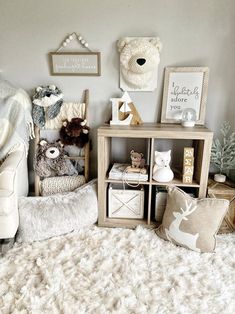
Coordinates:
190 222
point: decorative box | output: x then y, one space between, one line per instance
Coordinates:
125 201
224 190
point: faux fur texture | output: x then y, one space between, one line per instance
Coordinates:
132 52
121 271
45 217
50 160
75 132
49 98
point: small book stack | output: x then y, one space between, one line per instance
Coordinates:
118 172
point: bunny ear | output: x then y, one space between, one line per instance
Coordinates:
42 142
156 43
122 43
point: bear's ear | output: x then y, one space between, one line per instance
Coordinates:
156 43
60 143
52 87
142 155
83 123
65 123
121 43
132 152
39 88
42 142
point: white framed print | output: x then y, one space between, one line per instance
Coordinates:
184 87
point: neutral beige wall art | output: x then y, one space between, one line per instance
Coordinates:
139 59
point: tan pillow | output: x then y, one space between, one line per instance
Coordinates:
190 222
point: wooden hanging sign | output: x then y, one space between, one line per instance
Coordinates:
83 63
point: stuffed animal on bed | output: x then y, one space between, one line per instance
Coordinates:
75 132
47 102
50 160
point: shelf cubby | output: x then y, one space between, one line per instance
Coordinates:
149 137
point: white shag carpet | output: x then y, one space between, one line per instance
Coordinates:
101 270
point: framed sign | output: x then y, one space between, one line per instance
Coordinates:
184 87
75 63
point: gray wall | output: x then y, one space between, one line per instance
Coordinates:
193 33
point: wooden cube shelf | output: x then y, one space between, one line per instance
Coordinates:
201 138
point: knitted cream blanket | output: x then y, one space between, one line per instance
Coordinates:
16 124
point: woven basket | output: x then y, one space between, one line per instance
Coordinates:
62 184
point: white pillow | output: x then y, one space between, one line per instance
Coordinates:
45 217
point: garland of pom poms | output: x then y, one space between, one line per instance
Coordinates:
72 37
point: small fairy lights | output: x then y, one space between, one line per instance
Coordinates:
72 37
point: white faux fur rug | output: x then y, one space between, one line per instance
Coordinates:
101 270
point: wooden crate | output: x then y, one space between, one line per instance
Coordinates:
127 202
227 191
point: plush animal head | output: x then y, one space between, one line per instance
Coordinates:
50 150
75 132
163 159
49 98
50 160
139 59
46 96
136 157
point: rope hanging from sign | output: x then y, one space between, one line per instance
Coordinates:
74 36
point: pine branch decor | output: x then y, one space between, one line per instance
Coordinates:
223 152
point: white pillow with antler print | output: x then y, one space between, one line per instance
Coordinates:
190 222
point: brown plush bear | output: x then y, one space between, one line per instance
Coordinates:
137 160
50 160
75 132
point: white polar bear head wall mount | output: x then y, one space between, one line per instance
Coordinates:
139 59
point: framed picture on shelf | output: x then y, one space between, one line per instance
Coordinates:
184 87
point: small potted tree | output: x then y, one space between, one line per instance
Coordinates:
223 152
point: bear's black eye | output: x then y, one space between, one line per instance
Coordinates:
141 61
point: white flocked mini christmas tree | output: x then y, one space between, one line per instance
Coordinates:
223 152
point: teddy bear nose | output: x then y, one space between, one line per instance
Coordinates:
141 61
52 151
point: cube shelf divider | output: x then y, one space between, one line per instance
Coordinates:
201 138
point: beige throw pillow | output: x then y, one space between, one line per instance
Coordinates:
190 222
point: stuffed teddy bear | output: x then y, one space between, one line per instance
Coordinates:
47 102
139 59
137 160
75 132
137 163
161 170
50 160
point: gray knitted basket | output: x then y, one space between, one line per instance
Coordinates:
62 184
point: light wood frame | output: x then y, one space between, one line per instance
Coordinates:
86 157
202 111
202 141
77 54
